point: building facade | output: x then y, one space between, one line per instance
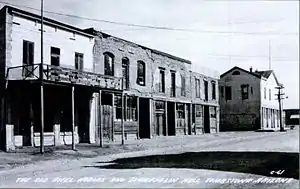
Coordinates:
248 100
292 117
94 85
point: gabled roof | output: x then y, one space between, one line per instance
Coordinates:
259 74
266 74
241 69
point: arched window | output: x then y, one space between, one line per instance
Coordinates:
236 73
141 73
125 72
108 64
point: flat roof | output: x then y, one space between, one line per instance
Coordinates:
48 21
94 31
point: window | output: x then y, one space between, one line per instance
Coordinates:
199 112
265 93
228 93
141 73
28 58
213 112
252 90
245 92
173 84
159 105
180 111
79 61
125 72
118 106
131 109
206 89
182 85
222 91
270 94
161 80
197 81
108 64
236 73
213 85
55 56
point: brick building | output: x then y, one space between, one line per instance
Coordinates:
90 81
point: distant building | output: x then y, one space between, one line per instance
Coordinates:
291 117
248 100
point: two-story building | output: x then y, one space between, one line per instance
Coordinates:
248 100
69 83
90 80
159 91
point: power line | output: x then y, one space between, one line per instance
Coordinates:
157 27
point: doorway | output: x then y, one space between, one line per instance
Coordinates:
206 120
144 118
82 113
171 119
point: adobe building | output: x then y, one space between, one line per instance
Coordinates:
90 81
248 100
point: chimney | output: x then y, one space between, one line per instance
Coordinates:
251 69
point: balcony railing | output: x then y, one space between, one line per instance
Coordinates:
64 75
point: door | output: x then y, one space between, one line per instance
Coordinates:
206 120
107 115
159 124
144 118
28 58
171 119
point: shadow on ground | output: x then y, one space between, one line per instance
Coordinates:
260 163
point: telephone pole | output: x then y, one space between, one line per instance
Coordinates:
41 81
279 96
270 55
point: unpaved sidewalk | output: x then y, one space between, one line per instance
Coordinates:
30 155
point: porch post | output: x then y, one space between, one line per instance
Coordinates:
175 117
185 118
100 119
73 120
191 118
166 117
138 117
150 117
42 149
113 117
122 120
195 119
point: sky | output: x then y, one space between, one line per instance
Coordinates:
217 35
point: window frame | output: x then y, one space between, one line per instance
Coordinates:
162 78
141 73
245 94
228 88
79 61
125 64
213 90
197 87
54 55
183 85
107 57
173 84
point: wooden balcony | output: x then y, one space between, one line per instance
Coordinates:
64 75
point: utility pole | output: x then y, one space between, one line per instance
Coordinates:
41 82
270 68
279 96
